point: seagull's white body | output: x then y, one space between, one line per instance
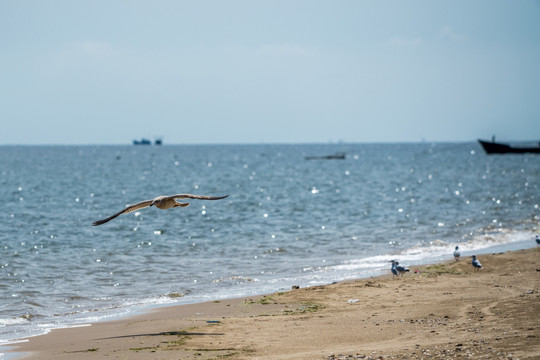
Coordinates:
167 202
161 202
393 269
401 269
457 254
476 264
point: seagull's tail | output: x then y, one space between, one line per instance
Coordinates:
181 204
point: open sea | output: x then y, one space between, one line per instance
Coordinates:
287 221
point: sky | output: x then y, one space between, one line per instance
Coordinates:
291 71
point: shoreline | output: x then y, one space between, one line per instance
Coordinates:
445 310
364 274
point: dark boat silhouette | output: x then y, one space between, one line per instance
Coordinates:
492 147
143 141
337 156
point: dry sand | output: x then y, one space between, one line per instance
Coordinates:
445 311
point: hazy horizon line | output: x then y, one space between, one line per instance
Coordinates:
268 143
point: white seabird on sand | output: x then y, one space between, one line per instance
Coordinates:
393 268
476 264
397 269
401 269
161 202
457 254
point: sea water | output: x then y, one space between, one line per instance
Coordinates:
287 221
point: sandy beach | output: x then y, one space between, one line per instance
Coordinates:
442 311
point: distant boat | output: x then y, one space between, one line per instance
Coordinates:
492 147
143 141
158 142
337 156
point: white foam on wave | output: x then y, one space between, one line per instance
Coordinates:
12 321
17 329
500 239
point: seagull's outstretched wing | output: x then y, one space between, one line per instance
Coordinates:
128 209
200 197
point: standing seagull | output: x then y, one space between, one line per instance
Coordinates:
537 240
393 269
161 202
476 264
401 269
398 269
457 254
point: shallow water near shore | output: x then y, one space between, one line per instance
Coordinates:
287 221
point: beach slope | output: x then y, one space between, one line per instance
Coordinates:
442 311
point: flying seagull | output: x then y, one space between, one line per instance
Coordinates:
161 202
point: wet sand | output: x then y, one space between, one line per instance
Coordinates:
445 311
